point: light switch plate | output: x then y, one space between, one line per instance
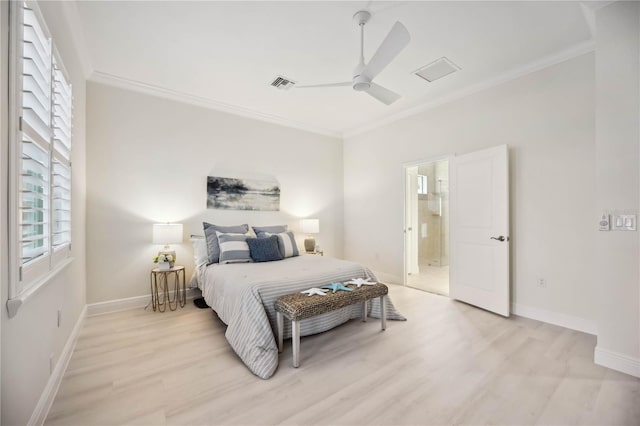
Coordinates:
624 222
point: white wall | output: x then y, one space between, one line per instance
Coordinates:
618 183
148 159
32 335
547 119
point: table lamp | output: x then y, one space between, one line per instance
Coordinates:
310 226
166 234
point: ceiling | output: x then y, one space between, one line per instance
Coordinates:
227 53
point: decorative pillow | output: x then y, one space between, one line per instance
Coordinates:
260 230
233 248
264 249
286 243
200 254
213 248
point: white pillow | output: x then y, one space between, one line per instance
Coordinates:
200 253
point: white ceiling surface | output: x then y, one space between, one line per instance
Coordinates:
228 52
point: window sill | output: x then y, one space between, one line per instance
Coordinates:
14 304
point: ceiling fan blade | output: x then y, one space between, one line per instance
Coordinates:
346 83
397 39
385 96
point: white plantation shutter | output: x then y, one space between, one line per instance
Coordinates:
36 139
34 200
62 111
62 108
41 148
36 75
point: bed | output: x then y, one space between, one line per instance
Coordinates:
243 296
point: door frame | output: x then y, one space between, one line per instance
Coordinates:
405 166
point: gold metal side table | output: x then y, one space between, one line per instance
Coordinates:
159 279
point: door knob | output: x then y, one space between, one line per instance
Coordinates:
500 238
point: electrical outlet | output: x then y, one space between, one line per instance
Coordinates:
59 318
542 283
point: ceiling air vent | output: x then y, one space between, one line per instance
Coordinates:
282 83
437 69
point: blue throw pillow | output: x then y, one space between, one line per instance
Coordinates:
264 249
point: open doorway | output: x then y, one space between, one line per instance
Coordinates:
427 227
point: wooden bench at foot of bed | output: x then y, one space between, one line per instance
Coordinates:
298 306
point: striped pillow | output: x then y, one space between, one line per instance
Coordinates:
212 240
233 248
286 243
275 229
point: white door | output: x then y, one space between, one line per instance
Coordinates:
479 262
411 221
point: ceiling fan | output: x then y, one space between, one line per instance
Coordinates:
363 75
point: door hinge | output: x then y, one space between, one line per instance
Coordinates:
20 123
20 273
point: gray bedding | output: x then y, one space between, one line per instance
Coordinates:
243 296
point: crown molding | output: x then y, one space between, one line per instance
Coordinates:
513 74
162 92
153 90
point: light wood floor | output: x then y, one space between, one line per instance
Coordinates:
448 364
434 279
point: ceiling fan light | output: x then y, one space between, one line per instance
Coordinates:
361 83
362 86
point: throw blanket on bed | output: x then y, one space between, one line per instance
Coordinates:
243 295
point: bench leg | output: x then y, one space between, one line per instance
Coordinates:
280 322
383 313
364 311
295 340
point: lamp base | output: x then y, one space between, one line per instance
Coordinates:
310 244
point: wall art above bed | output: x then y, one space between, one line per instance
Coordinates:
242 194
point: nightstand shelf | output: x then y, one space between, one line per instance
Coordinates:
159 280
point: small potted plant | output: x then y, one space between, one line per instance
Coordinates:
164 261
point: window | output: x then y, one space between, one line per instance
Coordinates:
41 114
422 185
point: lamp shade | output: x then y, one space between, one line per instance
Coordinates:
167 233
310 226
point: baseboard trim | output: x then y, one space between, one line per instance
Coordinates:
125 304
387 278
568 321
617 361
43 406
